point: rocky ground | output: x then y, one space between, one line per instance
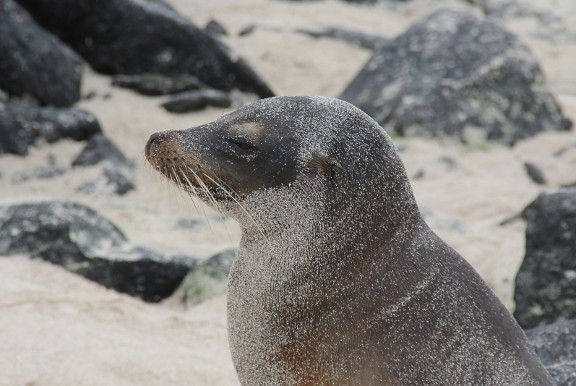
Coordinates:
58 328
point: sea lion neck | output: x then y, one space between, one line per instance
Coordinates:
315 211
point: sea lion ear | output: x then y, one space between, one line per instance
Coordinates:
327 165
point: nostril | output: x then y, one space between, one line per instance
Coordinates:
154 138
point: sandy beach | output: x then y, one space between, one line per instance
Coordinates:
59 329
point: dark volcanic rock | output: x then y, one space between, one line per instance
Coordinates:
360 39
34 62
22 124
248 30
546 282
453 74
121 179
47 171
196 100
144 36
115 178
156 84
136 271
215 29
38 226
189 223
83 242
98 149
535 173
555 344
43 172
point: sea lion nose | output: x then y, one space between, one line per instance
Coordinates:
155 138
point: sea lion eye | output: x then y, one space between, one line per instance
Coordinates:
241 144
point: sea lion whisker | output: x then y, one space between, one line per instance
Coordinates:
170 182
178 182
205 189
176 179
207 192
223 185
193 188
217 207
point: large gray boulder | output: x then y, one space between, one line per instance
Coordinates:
555 344
455 74
144 36
22 124
33 227
546 282
35 63
80 240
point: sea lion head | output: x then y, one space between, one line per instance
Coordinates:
277 153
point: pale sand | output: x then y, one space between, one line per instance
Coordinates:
59 329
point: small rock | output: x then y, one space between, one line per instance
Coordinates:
420 174
535 173
43 172
564 149
89 95
218 266
189 223
197 100
555 345
510 220
215 29
92 187
121 179
157 84
208 279
449 163
438 222
115 178
99 148
360 39
248 30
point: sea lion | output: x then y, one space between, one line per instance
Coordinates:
338 280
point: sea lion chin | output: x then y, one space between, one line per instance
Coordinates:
338 280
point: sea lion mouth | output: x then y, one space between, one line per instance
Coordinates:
184 170
194 180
